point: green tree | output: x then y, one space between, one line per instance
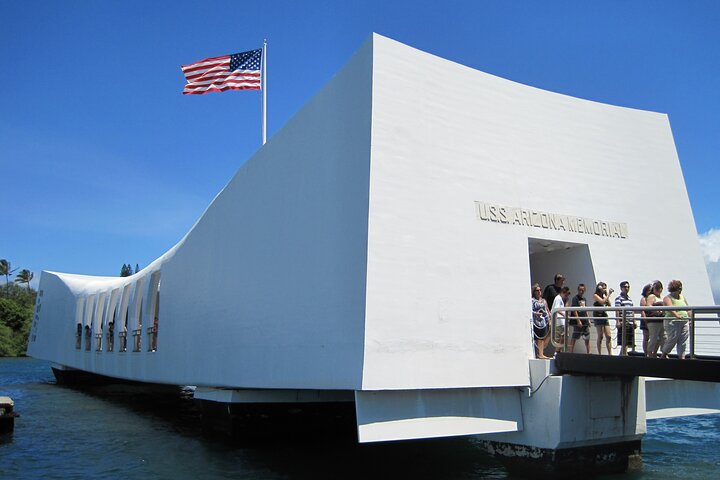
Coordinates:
16 310
22 296
7 270
14 314
125 271
7 341
25 276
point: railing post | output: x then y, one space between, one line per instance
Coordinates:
137 333
123 341
567 329
621 334
692 334
152 338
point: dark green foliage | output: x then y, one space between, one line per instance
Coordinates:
25 276
13 314
6 270
16 310
126 270
22 296
7 339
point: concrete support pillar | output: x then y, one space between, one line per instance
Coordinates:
574 424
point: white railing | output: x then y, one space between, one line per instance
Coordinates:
703 323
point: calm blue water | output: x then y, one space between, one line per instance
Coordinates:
71 434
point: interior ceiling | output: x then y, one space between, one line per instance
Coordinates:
538 245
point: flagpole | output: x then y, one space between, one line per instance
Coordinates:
264 91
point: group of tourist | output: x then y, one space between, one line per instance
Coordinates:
662 330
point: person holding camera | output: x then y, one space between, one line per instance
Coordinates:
602 299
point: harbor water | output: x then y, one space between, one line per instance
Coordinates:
118 433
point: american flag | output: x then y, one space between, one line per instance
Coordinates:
239 71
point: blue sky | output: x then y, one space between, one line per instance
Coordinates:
104 161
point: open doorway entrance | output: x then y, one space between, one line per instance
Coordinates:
550 257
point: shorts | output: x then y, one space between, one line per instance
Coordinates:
629 336
581 331
559 330
600 321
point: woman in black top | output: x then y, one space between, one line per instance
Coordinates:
602 299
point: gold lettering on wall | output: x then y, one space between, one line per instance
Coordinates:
492 212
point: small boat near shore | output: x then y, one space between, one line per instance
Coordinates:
7 415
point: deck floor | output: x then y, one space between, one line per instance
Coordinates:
702 370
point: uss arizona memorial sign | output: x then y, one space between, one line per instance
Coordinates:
492 212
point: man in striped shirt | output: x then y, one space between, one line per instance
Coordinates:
623 300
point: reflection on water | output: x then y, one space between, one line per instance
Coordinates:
131 433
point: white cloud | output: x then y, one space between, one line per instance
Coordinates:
710 244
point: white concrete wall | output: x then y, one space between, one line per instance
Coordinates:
437 301
678 398
403 414
447 298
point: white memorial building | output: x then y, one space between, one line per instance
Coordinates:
380 248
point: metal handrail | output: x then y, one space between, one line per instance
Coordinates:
693 312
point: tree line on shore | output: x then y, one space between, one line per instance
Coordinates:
17 304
